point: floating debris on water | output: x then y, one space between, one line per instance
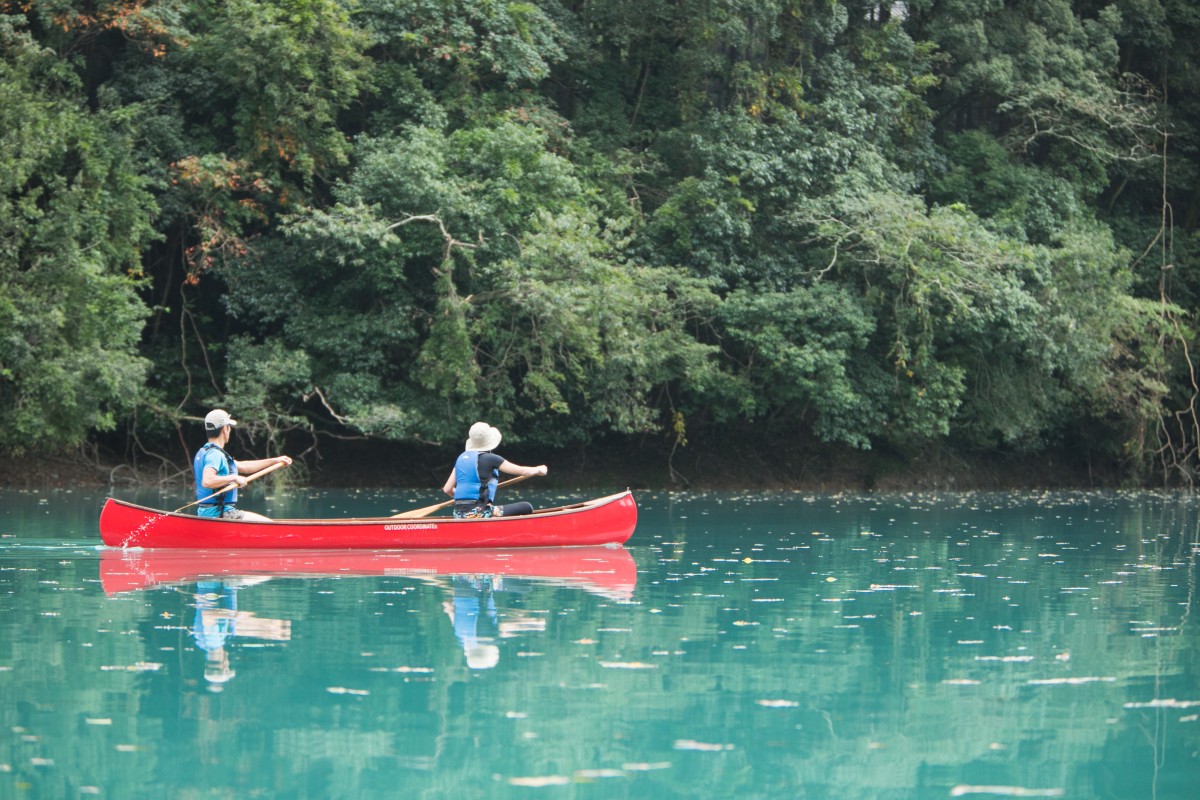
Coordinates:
1006 791
539 781
1164 704
595 774
706 747
627 665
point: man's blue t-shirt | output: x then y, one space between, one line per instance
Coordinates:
218 459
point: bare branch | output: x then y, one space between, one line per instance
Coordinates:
447 238
321 395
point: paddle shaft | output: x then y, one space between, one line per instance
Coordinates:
417 513
253 477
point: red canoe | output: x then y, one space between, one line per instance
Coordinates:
607 571
605 520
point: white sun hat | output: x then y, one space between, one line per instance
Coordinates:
483 437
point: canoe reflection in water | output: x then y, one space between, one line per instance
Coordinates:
218 620
472 576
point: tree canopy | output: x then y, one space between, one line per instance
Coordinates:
876 226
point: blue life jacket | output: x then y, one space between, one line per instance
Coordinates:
203 492
468 483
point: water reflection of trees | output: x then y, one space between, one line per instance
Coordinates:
959 649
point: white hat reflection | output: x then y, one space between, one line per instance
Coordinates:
482 656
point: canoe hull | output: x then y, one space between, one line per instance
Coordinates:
609 571
606 520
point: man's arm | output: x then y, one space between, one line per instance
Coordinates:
251 467
211 480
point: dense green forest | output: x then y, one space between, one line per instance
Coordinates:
965 224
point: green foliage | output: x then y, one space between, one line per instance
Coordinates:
972 222
73 218
260 375
467 44
333 287
265 84
368 288
795 351
281 70
446 365
483 181
1046 81
1024 201
985 335
578 339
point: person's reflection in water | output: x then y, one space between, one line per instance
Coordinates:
218 621
472 610
211 631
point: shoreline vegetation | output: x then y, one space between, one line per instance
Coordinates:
638 466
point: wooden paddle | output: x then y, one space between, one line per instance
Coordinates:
253 477
417 513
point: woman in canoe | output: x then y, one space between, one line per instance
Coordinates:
472 482
215 469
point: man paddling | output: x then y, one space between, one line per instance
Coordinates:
472 483
215 469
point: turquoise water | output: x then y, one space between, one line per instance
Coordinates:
763 646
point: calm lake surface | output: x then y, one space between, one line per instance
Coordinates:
741 646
